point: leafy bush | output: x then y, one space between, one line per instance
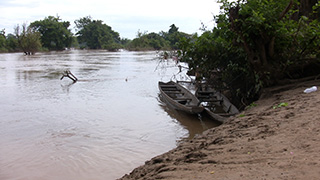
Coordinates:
255 44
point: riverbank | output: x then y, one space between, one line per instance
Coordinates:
279 138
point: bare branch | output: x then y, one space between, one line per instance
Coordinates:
68 74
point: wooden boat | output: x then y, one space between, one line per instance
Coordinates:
217 106
179 98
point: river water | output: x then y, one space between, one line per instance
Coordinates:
101 127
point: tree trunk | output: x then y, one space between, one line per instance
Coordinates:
305 8
271 47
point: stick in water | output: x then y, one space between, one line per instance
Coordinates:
69 75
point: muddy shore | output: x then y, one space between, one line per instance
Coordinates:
279 138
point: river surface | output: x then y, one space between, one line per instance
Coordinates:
101 127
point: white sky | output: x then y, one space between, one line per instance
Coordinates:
124 16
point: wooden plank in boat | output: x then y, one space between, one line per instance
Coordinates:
211 100
168 86
171 89
186 99
206 97
173 92
205 92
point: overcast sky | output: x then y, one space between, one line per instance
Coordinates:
124 16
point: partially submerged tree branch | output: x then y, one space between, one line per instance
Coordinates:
68 74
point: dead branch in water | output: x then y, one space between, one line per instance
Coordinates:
68 74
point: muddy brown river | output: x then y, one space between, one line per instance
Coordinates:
101 127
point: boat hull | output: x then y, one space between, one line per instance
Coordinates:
220 108
179 98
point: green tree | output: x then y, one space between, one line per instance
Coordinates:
28 39
255 44
161 41
12 43
173 36
271 39
94 34
151 41
173 29
125 41
55 34
2 41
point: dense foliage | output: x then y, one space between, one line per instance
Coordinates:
161 41
2 41
8 43
151 41
94 34
55 34
12 43
91 34
173 36
255 44
28 39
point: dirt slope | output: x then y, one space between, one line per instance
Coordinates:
262 143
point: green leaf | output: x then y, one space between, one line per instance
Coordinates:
280 105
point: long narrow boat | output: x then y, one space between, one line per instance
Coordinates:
218 106
179 98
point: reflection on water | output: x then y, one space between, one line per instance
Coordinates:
195 124
101 127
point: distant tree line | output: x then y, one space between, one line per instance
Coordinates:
161 41
8 43
52 33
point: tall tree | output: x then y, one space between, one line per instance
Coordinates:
55 34
2 41
173 29
94 34
255 44
173 36
12 43
28 39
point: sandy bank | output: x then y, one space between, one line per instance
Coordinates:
265 142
